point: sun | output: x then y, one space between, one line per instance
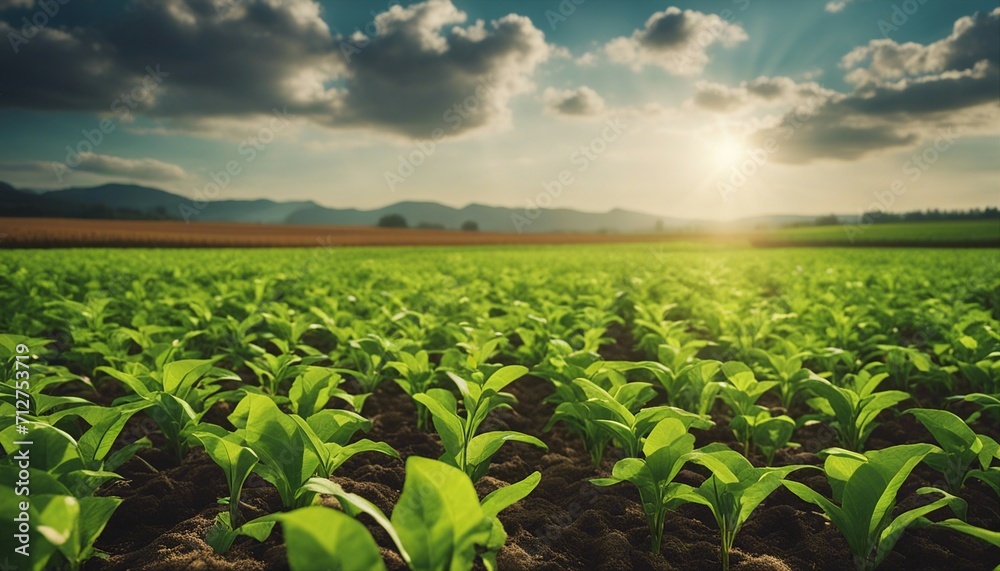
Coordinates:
728 152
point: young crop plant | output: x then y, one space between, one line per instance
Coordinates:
287 328
766 433
416 375
368 356
463 447
581 416
179 395
788 373
235 338
81 465
473 353
274 371
734 490
905 364
654 331
237 462
62 527
691 385
753 424
855 406
989 403
627 429
292 449
438 522
960 448
865 487
312 390
666 450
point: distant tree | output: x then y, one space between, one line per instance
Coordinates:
392 221
430 226
830 220
470 226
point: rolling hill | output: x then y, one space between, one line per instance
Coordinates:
140 202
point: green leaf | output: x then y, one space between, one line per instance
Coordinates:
482 447
321 538
180 376
285 453
97 442
503 377
503 498
441 405
354 505
989 536
331 425
236 462
891 534
438 517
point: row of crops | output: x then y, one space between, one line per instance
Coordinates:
660 365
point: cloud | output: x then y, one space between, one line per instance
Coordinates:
904 94
973 39
721 98
456 82
146 169
675 40
11 4
834 6
258 55
107 165
8 4
580 102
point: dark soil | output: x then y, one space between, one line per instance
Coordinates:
566 523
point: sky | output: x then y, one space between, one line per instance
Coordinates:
713 109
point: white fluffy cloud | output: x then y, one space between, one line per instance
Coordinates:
580 102
411 76
675 40
258 55
722 98
904 94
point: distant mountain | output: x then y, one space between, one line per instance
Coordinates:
131 196
134 201
147 199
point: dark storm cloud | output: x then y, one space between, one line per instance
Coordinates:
234 58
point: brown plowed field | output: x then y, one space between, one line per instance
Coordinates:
64 232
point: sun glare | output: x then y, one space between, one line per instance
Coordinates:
728 152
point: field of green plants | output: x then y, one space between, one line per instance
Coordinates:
941 232
554 407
